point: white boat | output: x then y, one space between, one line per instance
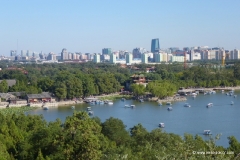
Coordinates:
160 104
92 103
45 108
213 92
168 103
207 132
187 105
133 106
170 109
161 125
73 107
232 103
110 102
90 113
209 104
235 96
89 108
127 106
141 100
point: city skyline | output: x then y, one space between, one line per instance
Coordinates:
80 26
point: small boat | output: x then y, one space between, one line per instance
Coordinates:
169 108
89 108
133 106
45 108
168 103
222 91
110 102
161 125
92 103
127 106
235 96
232 103
101 102
207 132
141 100
187 105
73 107
160 104
123 99
90 113
209 105
213 92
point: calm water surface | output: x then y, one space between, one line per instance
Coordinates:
223 118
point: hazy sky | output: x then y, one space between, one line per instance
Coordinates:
90 25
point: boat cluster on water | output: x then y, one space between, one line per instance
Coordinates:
100 102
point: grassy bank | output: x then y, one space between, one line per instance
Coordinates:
114 97
16 110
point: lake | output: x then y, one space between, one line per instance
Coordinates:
223 118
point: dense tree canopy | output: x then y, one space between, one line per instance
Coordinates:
81 137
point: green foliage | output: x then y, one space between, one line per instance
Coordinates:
81 137
138 89
3 86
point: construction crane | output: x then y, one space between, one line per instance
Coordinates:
223 60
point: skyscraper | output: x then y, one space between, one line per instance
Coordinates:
155 47
106 51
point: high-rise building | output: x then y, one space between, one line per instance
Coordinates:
158 57
23 53
129 58
64 54
155 47
51 56
113 58
137 52
106 51
96 58
144 58
13 52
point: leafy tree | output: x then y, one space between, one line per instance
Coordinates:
3 86
114 129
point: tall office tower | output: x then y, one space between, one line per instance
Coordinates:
96 58
29 53
23 53
158 57
145 58
113 58
106 51
13 52
51 56
155 47
137 52
129 58
64 54
235 54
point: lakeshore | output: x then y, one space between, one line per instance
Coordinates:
115 96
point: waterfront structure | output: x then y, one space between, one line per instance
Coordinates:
155 47
106 51
64 54
96 58
129 58
113 58
144 58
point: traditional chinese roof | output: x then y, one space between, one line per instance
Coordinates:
36 96
10 82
